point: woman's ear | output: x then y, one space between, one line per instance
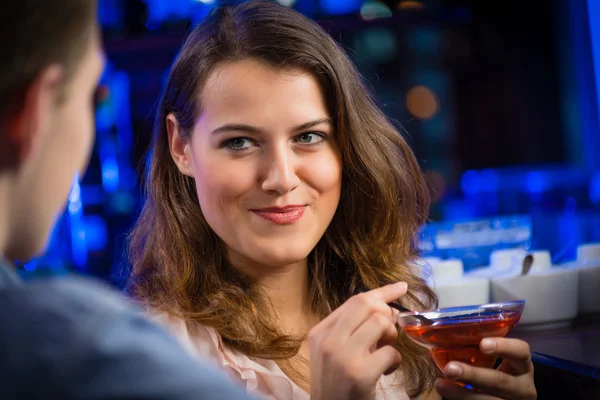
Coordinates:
178 147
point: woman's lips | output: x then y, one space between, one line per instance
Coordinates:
281 215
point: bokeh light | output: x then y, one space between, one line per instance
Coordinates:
410 5
422 102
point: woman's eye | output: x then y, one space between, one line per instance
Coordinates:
310 138
237 144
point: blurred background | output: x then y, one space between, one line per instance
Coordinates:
498 99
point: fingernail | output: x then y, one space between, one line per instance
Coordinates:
488 345
402 285
453 371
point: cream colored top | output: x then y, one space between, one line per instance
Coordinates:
262 378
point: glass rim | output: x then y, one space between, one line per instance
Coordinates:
462 308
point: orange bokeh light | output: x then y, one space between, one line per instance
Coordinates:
422 102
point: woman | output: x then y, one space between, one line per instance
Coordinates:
281 211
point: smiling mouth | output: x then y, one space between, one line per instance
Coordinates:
281 216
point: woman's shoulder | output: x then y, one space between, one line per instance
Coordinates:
206 342
198 339
261 377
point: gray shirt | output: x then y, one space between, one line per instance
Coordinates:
74 338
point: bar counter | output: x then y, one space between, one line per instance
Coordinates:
566 359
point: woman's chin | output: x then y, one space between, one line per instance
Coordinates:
278 257
277 260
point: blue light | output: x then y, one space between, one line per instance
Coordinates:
459 210
470 182
76 225
92 195
340 7
164 10
75 194
96 233
536 182
109 165
570 205
128 178
200 14
103 118
121 91
569 233
595 188
489 181
110 12
75 206
110 174
30 266
592 140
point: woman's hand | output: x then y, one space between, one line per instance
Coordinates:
353 347
513 380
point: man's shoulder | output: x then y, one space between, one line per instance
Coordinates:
47 317
75 293
50 304
59 333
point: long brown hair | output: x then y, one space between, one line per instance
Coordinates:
179 263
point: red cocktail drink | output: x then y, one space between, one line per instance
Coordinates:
454 334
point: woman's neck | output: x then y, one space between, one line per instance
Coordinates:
288 293
286 289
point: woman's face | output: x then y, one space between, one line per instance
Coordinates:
264 157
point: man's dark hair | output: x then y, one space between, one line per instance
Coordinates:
35 34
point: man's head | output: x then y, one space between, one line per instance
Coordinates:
50 64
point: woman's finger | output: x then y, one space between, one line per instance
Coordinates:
389 293
450 390
516 354
356 310
378 328
360 309
491 381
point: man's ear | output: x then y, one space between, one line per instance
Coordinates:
177 147
27 116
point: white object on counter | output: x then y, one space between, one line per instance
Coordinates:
510 263
463 292
504 259
542 261
550 294
501 262
456 290
588 267
447 269
589 253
